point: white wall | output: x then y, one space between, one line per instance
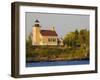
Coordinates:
5 40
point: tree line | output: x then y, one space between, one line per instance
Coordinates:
78 38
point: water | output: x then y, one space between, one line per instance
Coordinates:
56 63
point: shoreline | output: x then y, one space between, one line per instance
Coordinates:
59 60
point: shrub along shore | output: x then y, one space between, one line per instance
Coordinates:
46 53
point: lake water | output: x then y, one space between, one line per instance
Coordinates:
56 63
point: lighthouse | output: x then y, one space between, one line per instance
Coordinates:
36 33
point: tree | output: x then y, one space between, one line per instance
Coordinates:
29 40
77 38
84 37
69 39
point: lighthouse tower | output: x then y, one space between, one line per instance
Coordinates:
36 33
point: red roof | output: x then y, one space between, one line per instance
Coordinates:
48 33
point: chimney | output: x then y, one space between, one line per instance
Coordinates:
53 28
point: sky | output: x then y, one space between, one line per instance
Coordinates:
63 23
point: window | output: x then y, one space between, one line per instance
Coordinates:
51 39
54 39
